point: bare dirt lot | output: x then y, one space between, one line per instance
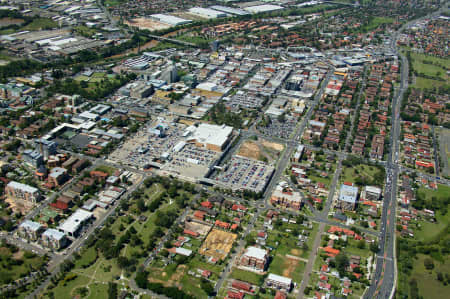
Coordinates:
262 150
218 244
145 23
201 229
289 267
21 206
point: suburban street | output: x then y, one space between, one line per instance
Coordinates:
212 111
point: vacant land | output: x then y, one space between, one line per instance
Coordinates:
247 276
218 244
145 23
260 150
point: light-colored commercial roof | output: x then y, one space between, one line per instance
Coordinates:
348 193
230 10
72 223
171 20
207 13
211 134
22 187
31 225
373 189
256 253
54 234
263 8
280 279
183 251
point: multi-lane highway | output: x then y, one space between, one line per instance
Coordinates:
385 276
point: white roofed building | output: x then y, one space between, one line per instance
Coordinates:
21 191
255 258
30 230
207 13
53 239
279 282
212 137
75 222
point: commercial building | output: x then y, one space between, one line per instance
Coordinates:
45 147
298 153
21 191
171 20
279 282
348 196
58 176
72 226
255 258
286 197
208 136
207 13
33 158
230 10
30 230
53 239
371 193
263 8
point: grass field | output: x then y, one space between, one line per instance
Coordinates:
375 23
85 31
109 170
428 230
429 286
40 24
349 174
247 276
291 268
438 68
191 285
425 83
442 191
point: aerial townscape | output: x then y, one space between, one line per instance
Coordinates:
265 149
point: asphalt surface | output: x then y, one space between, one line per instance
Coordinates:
385 276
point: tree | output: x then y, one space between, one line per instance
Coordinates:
428 263
361 244
112 290
342 263
207 287
141 205
374 247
